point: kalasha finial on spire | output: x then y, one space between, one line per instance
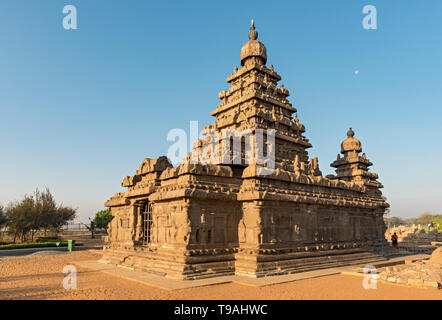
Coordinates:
253 34
350 133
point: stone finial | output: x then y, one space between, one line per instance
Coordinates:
253 48
253 34
351 143
313 167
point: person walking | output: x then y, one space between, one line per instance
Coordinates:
394 240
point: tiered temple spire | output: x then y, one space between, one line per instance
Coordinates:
254 101
354 167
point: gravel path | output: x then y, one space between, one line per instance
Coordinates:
40 277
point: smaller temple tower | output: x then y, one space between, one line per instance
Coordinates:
354 167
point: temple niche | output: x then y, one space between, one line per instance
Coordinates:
248 211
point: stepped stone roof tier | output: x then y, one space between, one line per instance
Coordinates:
236 214
354 167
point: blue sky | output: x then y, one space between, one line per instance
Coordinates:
80 109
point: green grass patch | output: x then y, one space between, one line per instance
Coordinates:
11 246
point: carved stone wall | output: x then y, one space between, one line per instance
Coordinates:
209 219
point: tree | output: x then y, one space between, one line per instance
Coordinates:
426 218
91 227
20 217
63 215
438 222
102 219
45 210
3 220
36 212
47 214
394 221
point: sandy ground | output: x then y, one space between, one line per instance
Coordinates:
40 277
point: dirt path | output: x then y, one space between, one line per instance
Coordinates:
40 277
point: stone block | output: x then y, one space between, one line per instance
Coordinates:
415 282
391 279
432 284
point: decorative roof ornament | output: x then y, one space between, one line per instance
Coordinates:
253 48
253 34
351 143
355 168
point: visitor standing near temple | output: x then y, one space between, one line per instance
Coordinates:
394 239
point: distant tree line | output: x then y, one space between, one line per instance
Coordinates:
34 213
424 219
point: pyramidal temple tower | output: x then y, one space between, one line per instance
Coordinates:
354 167
254 100
248 200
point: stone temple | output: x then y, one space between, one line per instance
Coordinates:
224 217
